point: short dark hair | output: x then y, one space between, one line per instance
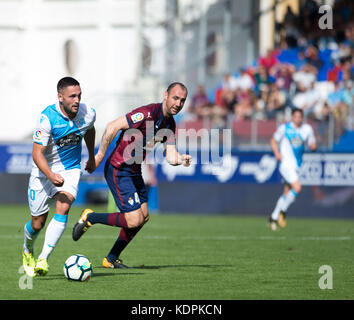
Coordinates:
297 110
173 84
66 82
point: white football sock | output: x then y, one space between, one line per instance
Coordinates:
289 199
54 231
278 207
29 237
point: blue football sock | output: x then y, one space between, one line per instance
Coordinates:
98 218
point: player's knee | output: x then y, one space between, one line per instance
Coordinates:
297 188
64 202
146 218
37 224
135 220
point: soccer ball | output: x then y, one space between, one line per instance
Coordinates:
78 268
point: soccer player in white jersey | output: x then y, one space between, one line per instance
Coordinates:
291 138
56 170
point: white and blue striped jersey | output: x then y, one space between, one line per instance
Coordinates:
292 142
62 137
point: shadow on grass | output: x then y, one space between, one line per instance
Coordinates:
94 274
214 266
104 274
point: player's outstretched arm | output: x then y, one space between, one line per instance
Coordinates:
175 159
42 164
313 147
275 149
90 144
109 134
312 141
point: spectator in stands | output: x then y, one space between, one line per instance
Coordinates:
246 101
229 82
349 35
276 101
226 94
339 102
312 57
305 77
269 60
334 73
301 60
262 79
283 76
219 116
199 103
307 99
244 81
260 105
229 100
347 70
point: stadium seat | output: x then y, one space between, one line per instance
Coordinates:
289 56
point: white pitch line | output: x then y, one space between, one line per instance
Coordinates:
326 238
203 238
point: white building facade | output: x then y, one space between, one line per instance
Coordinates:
96 41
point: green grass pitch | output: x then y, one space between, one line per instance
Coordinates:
190 257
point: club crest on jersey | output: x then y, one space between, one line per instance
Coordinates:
130 201
297 142
136 117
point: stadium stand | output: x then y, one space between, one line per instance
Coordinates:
307 69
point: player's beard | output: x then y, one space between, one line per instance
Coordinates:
70 112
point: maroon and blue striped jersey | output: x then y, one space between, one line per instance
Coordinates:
147 126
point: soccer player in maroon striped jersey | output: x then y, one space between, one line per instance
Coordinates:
141 129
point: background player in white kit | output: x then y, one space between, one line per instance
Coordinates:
56 170
291 137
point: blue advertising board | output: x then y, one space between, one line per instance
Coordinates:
327 169
237 182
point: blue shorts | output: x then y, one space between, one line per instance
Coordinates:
129 192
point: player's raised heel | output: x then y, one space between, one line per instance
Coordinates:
282 219
41 267
118 264
82 225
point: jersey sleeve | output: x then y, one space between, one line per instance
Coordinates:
279 133
42 131
92 117
137 117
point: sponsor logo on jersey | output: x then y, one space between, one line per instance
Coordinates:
136 117
56 126
71 139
